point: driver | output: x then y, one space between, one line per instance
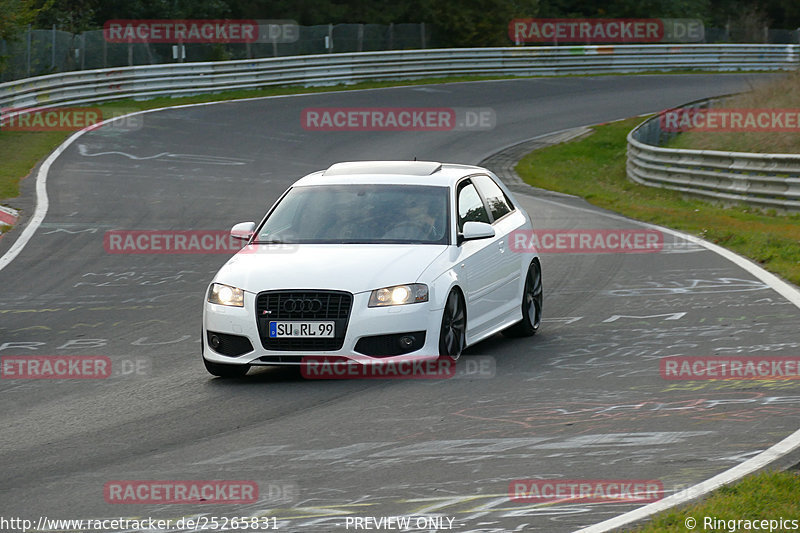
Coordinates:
423 221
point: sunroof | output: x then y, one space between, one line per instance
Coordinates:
409 168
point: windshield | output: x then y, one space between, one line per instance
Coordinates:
359 214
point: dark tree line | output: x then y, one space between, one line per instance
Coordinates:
454 22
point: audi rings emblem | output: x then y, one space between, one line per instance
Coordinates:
302 305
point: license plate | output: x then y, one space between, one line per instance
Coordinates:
321 329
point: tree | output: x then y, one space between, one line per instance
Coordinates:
16 15
474 23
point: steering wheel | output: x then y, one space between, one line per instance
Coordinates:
417 229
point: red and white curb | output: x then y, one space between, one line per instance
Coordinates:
8 217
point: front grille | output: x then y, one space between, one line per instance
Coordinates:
303 305
300 359
277 359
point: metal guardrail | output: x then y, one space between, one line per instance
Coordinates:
326 69
765 180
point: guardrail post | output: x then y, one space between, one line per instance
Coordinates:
360 38
329 39
3 51
28 60
422 33
391 36
53 49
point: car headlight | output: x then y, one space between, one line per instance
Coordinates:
399 295
225 295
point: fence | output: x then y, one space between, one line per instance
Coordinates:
39 52
764 180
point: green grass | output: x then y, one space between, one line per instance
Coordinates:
594 168
766 495
19 152
781 94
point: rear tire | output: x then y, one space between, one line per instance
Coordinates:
531 304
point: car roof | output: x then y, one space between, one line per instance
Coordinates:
390 172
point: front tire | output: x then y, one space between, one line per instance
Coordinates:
453 333
532 300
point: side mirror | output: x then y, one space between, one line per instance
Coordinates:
475 230
243 230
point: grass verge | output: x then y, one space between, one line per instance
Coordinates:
594 168
764 496
782 94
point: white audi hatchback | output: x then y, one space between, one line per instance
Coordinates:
372 260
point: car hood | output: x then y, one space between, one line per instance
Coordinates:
347 267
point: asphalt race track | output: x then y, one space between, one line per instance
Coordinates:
581 400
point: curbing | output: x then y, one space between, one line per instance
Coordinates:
8 218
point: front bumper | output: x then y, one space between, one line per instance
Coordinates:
363 322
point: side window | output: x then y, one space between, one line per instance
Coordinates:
470 206
498 203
